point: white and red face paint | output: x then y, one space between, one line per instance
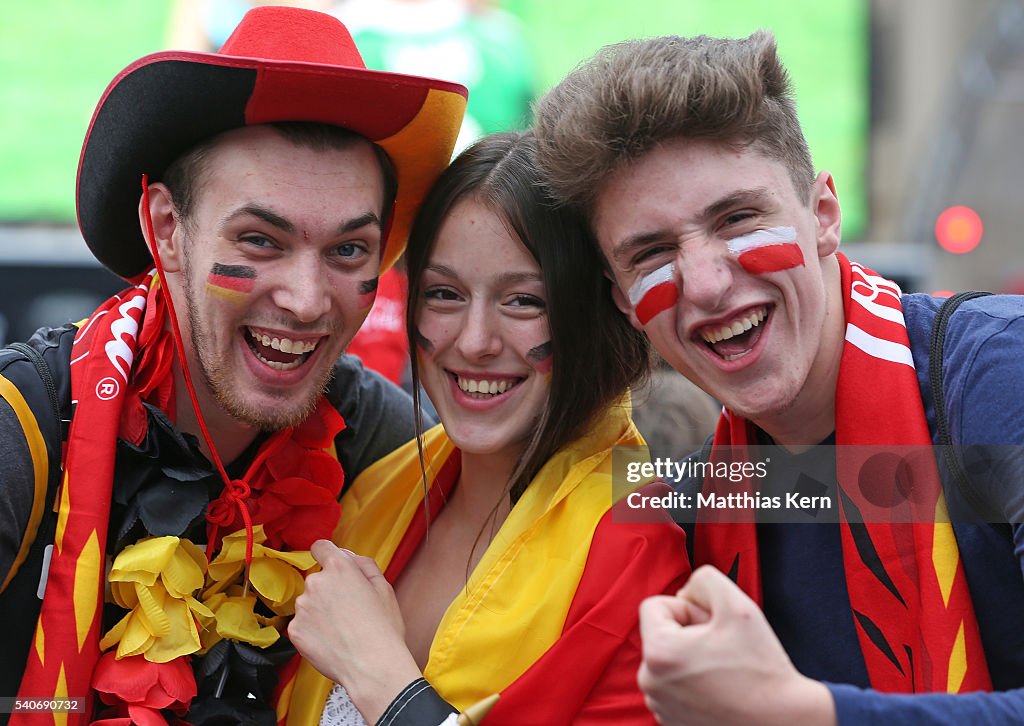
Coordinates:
654 293
767 250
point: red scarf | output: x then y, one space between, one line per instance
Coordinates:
295 481
912 608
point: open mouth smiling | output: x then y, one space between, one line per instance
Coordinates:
482 388
735 338
279 352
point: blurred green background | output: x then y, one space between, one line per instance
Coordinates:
57 56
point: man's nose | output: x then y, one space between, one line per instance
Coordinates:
705 272
304 288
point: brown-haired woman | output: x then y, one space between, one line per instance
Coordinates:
525 584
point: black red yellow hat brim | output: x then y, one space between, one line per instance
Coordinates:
281 64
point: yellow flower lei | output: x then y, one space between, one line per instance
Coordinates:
158 580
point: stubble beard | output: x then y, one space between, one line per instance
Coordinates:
217 375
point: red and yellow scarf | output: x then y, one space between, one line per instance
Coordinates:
121 357
912 608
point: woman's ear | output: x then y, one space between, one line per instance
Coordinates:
825 203
166 223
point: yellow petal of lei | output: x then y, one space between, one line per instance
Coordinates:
278 584
302 560
232 547
136 637
237 621
182 637
203 613
124 594
151 610
183 575
143 561
224 572
208 634
195 552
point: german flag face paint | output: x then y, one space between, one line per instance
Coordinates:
231 282
367 293
422 342
767 250
654 293
541 358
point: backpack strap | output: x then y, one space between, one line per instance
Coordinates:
935 360
35 437
34 396
37 360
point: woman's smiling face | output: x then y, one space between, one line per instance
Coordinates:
483 347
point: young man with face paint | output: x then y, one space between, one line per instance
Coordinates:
170 460
721 244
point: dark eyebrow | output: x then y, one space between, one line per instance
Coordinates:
757 196
443 270
276 220
740 198
255 210
624 250
361 221
506 278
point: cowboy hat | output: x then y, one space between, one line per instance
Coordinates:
280 64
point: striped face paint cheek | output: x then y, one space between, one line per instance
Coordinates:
367 293
541 358
231 282
767 250
654 293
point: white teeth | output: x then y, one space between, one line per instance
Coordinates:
281 366
734 357
483 387
285 345
736 327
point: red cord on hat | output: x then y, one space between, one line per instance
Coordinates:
235 491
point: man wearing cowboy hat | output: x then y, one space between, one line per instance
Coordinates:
251 197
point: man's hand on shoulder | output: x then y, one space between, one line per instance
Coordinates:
710 657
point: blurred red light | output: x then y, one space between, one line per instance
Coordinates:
959 230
